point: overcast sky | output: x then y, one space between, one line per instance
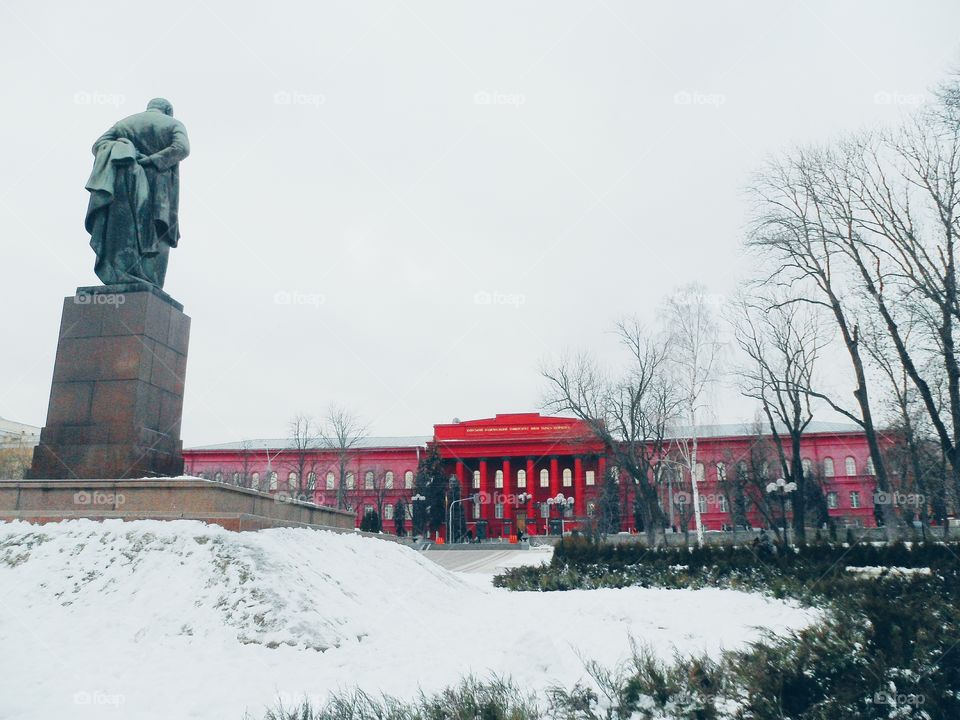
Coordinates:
402 207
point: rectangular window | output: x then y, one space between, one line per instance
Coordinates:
833 500
703 503
591 478
476 479
722 503
544 510
544 478
498 511
854 499
476 510
521 478
567 478
388 512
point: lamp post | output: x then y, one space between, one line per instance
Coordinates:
563 503
418 498
782 488
450 513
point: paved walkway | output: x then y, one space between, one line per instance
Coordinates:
485 561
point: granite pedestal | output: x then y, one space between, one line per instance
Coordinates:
117 396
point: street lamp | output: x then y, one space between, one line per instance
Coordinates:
563 503
418 498
782 488
450 514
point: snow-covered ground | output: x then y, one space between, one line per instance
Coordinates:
179 619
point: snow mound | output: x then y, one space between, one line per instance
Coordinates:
156 620
293 587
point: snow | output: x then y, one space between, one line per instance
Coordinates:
154 620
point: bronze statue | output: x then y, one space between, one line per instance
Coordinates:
134 195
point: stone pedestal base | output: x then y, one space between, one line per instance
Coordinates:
117 394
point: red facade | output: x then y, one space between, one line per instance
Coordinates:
529 472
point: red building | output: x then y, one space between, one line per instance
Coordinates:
536 473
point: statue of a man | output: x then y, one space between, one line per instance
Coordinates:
134 195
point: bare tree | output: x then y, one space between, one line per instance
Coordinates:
343 432
301 457
799 234
693 337
781 341
629 414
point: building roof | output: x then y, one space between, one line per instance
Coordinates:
396 442
14 434
749 429
367 443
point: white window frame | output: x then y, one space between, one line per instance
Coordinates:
544 478
567 476
590 477
521 478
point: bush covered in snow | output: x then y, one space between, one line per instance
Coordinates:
886 650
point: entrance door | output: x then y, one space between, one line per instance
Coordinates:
522 520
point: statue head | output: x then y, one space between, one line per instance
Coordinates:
162 105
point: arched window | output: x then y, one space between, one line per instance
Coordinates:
292 481
408 479
498 479
218 477
351 481
700 471
476 479
721 472
273 479
368 480
255 481
807 466
521 478
544 478
870 470
828 470
388 480
236 478
567 477
851 466
331 481
741 470
311 481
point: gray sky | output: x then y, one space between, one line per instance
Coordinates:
402 207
